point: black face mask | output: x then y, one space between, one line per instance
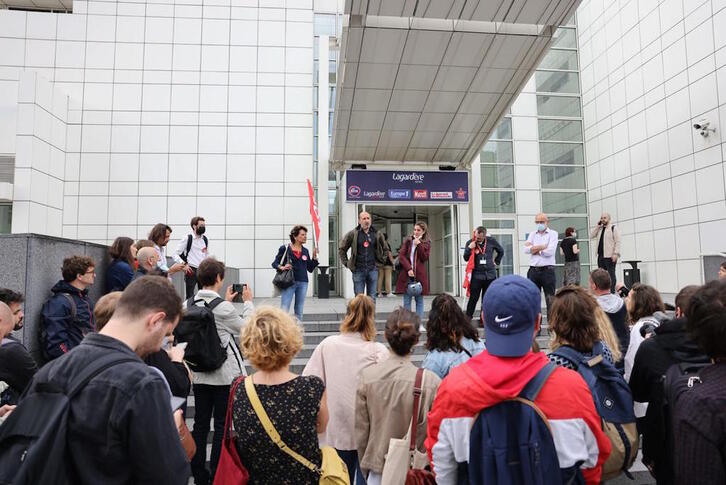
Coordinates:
200 230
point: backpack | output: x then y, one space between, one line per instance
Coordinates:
184 255
511 442
33 447
43 332
679 379
614 403
204 351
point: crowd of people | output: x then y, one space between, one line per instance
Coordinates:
617 368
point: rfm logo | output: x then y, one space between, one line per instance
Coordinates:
354 191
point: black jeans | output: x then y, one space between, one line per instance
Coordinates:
350 458
608 265
544 278
208 401
477 286
190 280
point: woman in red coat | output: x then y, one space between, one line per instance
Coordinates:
413 256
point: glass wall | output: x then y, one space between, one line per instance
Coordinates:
6 218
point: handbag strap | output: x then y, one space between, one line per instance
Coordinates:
284 255
270 428
228 424
417 386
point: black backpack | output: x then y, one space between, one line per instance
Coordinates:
204 351
185 254
33 447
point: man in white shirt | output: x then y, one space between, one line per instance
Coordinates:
192 250
542 245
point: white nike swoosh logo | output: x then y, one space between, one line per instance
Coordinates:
500 320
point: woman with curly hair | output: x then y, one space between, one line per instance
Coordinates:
295 404
450 338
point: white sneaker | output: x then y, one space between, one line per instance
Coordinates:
421 328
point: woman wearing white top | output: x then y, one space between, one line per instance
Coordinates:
338 361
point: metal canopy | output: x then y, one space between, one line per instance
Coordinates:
41 5
426 81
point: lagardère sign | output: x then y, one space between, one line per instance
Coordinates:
402 186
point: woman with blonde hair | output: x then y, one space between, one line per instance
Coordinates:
296 405
338 361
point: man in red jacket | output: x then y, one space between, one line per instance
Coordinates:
512 319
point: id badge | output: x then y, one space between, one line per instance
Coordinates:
482 261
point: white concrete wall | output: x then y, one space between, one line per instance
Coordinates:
176 110
650 70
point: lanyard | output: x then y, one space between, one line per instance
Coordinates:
484 248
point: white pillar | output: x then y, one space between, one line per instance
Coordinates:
323 147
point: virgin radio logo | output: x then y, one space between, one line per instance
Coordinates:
354 191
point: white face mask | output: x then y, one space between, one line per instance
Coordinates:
574 234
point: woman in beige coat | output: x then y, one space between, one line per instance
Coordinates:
338 361
384 400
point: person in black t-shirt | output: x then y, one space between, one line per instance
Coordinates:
571 252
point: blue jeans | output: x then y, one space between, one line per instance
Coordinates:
365 280
350 457
298 290
419 304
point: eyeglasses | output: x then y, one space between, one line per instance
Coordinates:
93 272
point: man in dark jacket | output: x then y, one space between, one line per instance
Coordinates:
367 248
614 308
16 366
485 265
68 315
120 426
671 344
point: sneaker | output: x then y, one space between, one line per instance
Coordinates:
421 328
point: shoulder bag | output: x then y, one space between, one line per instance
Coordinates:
332 471
230 470
404 463
284 278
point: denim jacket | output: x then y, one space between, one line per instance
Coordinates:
441 362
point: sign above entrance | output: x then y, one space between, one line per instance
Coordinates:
402 186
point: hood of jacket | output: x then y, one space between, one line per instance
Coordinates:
610 303
64 287
673 337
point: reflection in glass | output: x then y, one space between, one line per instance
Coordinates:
503 131
564 38
560 130
560 59
563 177
561 153
497 176
498 223
556 82
497 202
558 106
497 152
507 242
563 202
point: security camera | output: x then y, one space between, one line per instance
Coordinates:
703 127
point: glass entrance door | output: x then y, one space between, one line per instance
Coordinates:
506 238
450 250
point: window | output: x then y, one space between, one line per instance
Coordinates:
560 130
561 153
497 202
6 218
503 131
564 38
557 82
560 59
498 223
564 202
497 152
563 177
559 224
497 176
558 106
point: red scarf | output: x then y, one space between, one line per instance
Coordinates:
470 265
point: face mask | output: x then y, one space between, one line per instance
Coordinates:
201 229
574 234
541 227
165 343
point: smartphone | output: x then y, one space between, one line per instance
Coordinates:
238 288
182 345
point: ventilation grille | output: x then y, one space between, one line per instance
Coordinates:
7 169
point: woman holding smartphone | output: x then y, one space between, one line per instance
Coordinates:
296 257
413 256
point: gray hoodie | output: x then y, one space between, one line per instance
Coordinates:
610 302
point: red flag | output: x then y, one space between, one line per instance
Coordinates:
314 211
469 269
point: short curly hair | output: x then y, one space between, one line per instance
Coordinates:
270 339
76 265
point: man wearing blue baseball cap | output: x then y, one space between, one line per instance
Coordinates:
512 319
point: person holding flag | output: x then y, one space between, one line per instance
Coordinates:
481 267
296 257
